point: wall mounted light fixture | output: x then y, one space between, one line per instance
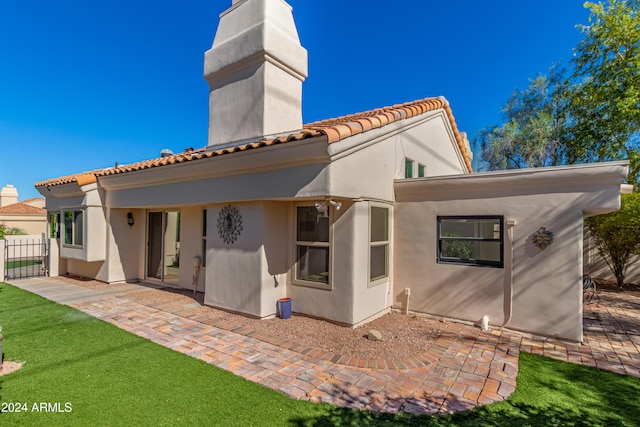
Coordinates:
130 219
320 205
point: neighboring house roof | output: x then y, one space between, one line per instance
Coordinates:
36 202
335 130
22 208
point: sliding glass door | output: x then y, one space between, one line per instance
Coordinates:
163 253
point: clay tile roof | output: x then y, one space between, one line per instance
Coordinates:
21 208
33 199
334 130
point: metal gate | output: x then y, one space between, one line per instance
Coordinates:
25 258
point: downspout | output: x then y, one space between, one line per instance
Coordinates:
508 294
197 263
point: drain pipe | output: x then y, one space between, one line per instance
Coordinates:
407 292
197 262
508 295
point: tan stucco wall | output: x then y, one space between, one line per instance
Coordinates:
362 166
32 224
126 247
221 180
248 275
251 274
545 294
369 300
255 70
366 165
336 303
90 270
350 300
191 246
89 199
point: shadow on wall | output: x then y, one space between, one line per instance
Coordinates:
129 241
470 292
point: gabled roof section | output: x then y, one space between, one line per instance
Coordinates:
334 130
21 208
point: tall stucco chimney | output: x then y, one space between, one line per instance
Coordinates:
255 71
8 195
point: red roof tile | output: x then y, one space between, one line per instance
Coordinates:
21 208
335 130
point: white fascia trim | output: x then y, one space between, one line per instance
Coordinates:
556 177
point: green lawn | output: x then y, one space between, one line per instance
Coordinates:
21 263
111 377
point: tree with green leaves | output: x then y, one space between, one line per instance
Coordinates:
592 115
616 235
603 93
533 128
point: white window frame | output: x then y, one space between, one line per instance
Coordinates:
75 241
384 279
301 282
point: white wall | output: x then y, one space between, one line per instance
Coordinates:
126 247
249 274
366 165
544 295
87 198
275 256
350 299
191 246
255 70
337 302
369 301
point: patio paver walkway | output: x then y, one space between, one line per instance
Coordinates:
464 368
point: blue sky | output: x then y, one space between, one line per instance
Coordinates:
86 84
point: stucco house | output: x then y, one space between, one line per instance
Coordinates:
27 215
349 217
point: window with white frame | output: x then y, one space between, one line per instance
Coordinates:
378 243
471 240
422 169
312 245
73 227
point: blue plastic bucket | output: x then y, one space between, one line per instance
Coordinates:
284 308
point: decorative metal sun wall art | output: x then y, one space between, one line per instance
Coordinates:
542 238
229 224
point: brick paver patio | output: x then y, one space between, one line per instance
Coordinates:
464 368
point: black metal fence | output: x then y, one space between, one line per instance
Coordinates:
25 258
